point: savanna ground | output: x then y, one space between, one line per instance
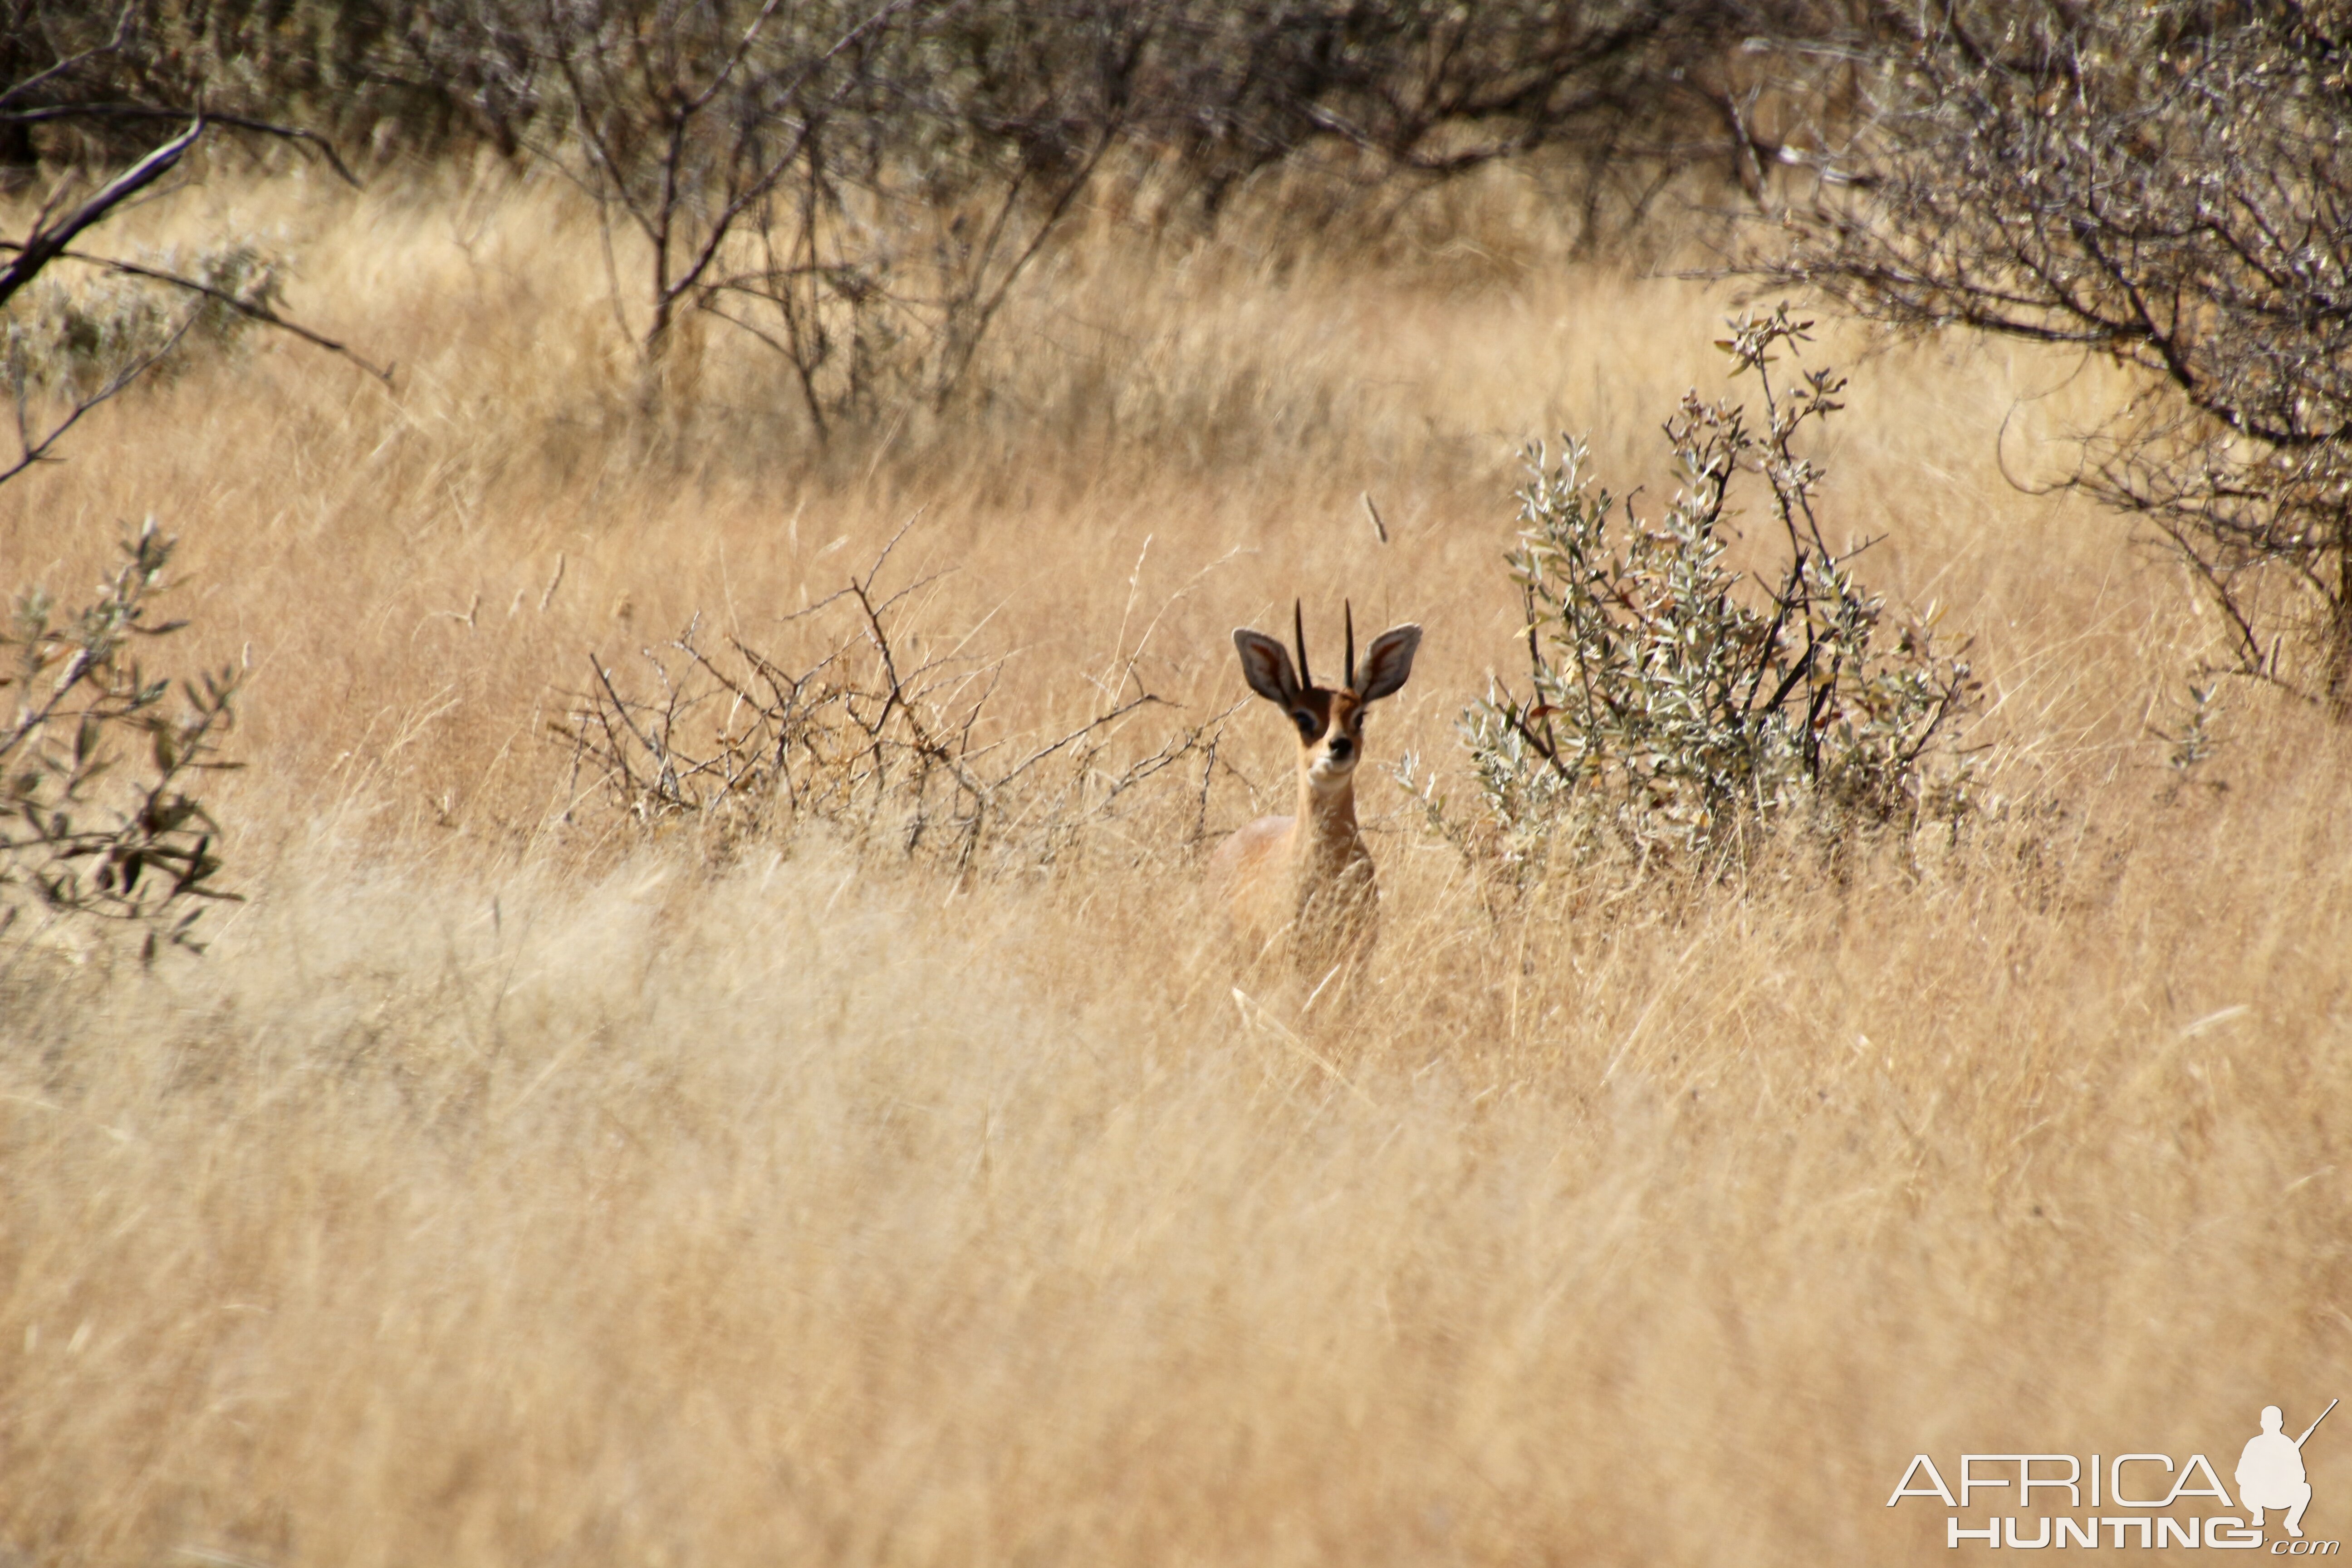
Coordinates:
508 1184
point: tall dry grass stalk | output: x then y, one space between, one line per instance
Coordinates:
511 1188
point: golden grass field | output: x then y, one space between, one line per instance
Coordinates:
509 1189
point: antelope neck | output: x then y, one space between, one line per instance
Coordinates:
1327 817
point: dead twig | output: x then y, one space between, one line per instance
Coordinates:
872 738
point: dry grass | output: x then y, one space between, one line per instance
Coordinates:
507 1190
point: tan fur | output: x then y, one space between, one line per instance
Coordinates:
1304 882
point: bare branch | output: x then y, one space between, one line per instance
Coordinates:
47 241
310 139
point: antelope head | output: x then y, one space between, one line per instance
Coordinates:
1329 722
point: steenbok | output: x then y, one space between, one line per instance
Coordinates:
1308 878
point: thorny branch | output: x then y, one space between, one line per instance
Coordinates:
877 739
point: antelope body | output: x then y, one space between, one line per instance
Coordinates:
1306 878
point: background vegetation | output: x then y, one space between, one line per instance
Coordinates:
562 1153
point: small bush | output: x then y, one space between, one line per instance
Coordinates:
79 837
1677 706
79 342
882 742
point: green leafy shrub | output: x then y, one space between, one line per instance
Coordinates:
80 837
1676 706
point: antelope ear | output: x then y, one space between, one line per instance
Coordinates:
1387 663
1265 665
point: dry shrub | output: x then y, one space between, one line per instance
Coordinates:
877 742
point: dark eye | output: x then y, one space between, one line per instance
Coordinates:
1305 723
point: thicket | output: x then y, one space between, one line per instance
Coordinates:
860 183
2165 185
1229 89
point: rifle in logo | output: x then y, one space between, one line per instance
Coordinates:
2270 1471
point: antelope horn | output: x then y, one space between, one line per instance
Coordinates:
1351 611
1298 630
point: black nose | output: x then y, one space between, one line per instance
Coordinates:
1340 747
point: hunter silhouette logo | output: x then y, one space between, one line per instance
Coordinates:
2142 1489
2270 1472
